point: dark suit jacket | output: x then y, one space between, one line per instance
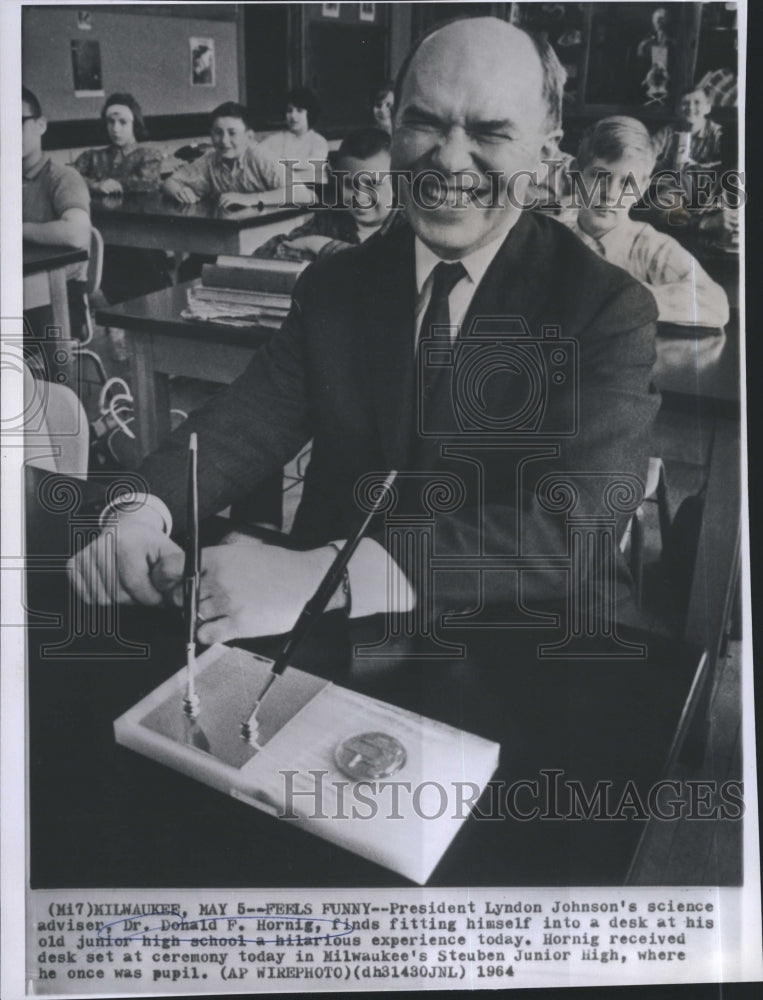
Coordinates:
342 372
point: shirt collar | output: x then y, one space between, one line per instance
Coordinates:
29 175
611 238
475 263
124 150
238 161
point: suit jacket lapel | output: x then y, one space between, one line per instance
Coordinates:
389 332
513 285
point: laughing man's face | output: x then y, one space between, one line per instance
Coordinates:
471 116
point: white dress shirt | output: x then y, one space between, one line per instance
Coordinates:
475 264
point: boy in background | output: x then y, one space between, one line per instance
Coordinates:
704 145
364 193
615 160
55 205
237 171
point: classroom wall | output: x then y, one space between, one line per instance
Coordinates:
146 55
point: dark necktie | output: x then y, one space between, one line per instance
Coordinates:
445 277
433 412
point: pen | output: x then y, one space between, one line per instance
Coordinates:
315 608
191 579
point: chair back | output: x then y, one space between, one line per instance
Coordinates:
56 431
95 263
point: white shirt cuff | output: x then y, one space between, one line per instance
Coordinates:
377 583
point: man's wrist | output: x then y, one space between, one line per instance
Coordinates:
138 507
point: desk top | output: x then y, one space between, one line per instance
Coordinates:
146 208
702 371
689 369
102 815
41 257
160 312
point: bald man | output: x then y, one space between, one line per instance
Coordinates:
478 107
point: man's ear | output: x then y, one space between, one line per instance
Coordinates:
250 135
42 124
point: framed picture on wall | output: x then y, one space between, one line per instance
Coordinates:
368 12
86 69
330 9
202 62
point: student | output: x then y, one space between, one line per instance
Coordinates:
55 203
364 202
384 106
704 148
298 142
617 153
125 166
237 171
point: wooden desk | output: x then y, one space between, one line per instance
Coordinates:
44 269
156 222
102 815
161 344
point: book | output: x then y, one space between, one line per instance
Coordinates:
262 264
311 738
278 280
264 300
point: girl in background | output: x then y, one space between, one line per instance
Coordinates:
298 141
125 166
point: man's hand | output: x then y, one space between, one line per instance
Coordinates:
109 186
102 574
247 588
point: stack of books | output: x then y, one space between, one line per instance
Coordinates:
244 291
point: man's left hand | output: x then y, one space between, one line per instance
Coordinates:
247 588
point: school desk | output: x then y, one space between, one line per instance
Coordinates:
161 343
102 815
154 221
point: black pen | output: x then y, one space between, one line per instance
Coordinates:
191 572
315 607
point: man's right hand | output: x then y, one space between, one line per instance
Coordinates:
116 567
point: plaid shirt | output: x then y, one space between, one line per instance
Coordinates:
256 170
705 148
336 224
137 168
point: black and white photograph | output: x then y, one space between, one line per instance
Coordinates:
202 62
376 571
86 68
